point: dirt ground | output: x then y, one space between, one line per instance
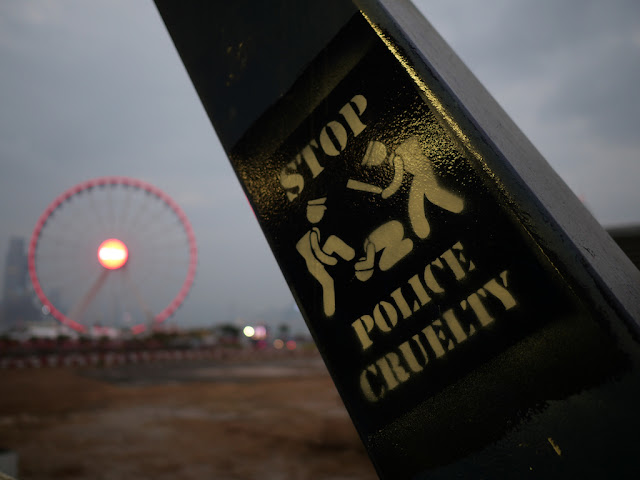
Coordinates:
249 419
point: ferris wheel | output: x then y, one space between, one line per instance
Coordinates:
112 253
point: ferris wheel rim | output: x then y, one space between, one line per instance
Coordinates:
182 293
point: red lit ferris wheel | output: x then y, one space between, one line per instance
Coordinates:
112 252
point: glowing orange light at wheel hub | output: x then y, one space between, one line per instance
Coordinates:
112 254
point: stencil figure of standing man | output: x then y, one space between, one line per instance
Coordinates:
317 257
409 158
424 185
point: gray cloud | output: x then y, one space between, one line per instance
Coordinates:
565 71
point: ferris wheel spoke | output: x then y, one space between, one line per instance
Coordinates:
157 280
58 245
163 251
70 283
66 234
97 213
64 274
141 303
117 301
163 235
126 206
151 219
80 307
129 208
63 255
134 219
121 205
167 246
110 215
163 273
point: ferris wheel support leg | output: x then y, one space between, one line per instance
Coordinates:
141 303
81 306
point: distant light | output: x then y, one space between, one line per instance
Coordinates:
277 343
46 310
249 331
260 332
112 254
291 345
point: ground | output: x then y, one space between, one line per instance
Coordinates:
276 418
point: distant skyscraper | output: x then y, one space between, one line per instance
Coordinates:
15 270
17 307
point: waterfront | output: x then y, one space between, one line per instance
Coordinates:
253 417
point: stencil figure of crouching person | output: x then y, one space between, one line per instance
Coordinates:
318 257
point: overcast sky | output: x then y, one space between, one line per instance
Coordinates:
96 88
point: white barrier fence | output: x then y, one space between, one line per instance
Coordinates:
82 359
